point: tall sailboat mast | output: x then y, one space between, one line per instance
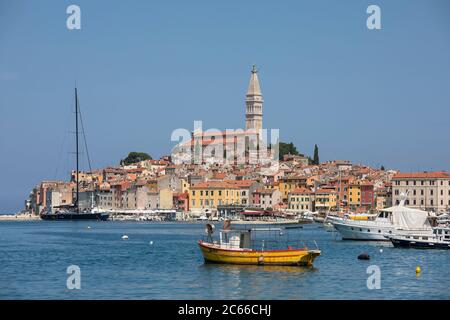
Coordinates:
73 212
76 151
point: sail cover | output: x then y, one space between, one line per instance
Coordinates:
410 219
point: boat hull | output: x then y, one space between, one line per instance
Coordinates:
293 257
351 231
75 216
403 243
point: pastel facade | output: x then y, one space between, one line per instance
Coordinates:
354 195
266 198
425 190
383 199
361 195
325 200
301 199
208 195
165 198
289 184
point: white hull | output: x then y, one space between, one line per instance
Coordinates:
363 231
379 228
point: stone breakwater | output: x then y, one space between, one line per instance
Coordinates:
19 217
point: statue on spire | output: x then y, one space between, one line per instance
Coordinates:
254 70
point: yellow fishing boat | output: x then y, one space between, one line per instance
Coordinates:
237 247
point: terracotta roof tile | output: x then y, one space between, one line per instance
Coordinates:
423 175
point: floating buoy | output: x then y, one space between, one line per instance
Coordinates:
88 227
381 250
364 256
150 243
124 237
418 269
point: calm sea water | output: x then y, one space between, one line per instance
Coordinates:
34 257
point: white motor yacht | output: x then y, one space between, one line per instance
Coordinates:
379 227
437 238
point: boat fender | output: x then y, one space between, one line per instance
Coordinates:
364 256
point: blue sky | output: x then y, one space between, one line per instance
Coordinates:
144 68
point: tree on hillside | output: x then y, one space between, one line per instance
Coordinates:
135 157
286 148
316 159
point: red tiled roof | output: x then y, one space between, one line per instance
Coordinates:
241 183
113 170
214 184
265 191
219 175
224 133
158 162
325 191
422 175
296 177
141 183
137 170
301 191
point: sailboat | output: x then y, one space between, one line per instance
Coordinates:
72 212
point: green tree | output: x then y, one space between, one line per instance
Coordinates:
135 157
316 159
382 168
286 148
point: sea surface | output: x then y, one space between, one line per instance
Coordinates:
162 261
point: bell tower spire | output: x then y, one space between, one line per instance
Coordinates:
254 103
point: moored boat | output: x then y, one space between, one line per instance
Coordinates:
238 247
319 219
379 227
73 212
267 222
438 238
259 216
375 229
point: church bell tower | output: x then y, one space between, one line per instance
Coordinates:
254 103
